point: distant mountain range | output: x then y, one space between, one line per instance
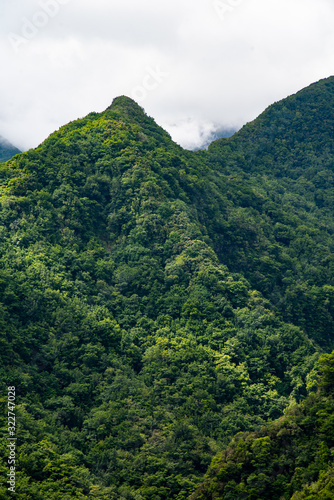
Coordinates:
7 150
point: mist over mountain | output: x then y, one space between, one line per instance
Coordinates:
7 150
157 302
217 133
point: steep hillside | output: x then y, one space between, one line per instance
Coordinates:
151 306
291 138
7 150
281 235
292 458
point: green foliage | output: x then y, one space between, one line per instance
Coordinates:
155 302
290 458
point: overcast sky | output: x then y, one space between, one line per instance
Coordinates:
193 65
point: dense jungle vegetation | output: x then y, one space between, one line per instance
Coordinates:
291 458
162 310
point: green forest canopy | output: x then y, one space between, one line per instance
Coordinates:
156 302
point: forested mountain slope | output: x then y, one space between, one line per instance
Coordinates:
281 235
7 150
291 458
153 303
291 138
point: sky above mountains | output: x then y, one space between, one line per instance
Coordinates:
194 65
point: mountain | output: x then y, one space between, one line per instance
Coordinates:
284 159
291 138
154 302
7 150
291 458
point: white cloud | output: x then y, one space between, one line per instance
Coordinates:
222 67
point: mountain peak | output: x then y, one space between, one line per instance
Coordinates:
127 107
